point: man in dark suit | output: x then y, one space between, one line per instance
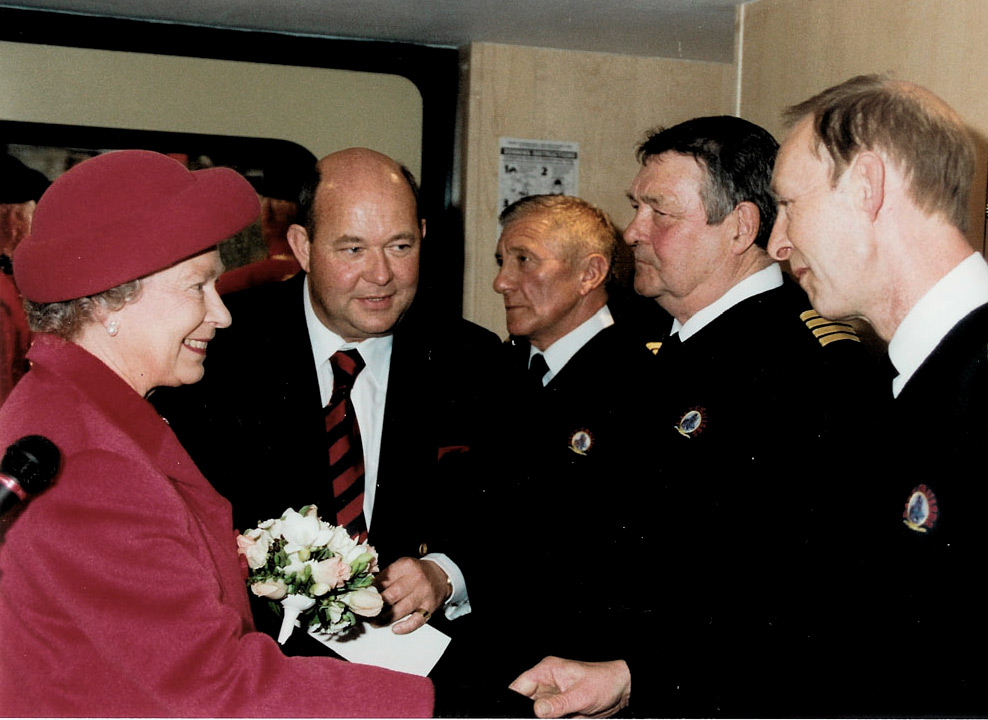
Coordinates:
874 181
725 524
258 428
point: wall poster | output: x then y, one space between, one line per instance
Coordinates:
537 167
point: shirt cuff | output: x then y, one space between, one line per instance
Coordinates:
458 603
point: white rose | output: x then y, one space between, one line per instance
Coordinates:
304 531
271 589
339 542
254 546
366 601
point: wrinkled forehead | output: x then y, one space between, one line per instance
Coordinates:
534 229
670 169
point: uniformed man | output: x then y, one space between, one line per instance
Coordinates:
735 491
578 369
873 182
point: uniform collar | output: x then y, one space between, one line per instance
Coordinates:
944 305
764 280
561 351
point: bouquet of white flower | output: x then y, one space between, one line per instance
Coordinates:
315 569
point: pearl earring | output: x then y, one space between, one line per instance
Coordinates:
112 328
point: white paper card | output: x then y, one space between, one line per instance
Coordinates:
416 653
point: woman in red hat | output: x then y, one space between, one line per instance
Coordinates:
121 593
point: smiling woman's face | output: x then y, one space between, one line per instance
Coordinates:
163 334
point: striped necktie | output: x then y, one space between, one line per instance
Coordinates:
346 452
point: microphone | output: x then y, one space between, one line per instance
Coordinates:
27 468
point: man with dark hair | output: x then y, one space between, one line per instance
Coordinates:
735 479
874 181
418 379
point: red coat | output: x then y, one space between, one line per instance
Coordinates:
15 336
121 593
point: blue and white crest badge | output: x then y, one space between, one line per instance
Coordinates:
580 442
692 423
921 510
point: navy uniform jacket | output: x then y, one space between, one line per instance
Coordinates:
753 426
254 425
560 568
583 450
923 546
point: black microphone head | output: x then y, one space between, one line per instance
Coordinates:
33 461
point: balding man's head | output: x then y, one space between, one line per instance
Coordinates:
914 128
360 243
351 166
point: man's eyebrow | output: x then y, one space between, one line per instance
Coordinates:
519 248
647 199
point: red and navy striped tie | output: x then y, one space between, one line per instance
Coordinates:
346 452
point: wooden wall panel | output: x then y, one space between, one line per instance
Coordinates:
604 102
792 49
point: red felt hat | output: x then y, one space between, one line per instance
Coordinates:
123 215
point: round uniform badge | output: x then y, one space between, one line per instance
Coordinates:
580 442
921 510
692 423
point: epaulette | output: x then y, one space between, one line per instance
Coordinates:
827 331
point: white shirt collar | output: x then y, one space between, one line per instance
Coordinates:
376 352
944 305
762 281
561 351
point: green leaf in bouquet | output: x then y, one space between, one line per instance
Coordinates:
279 557
323 553
360 582
361 563
276 608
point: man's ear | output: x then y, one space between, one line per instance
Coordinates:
298 239
868 172
422 224
595 269
746 222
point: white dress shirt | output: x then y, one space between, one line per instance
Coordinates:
955 295
560 352
369 393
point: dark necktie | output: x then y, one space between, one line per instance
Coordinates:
537 368
346 452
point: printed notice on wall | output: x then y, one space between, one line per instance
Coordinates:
537 167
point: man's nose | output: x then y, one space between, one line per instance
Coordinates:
779 246
632 233
379 269
501 281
